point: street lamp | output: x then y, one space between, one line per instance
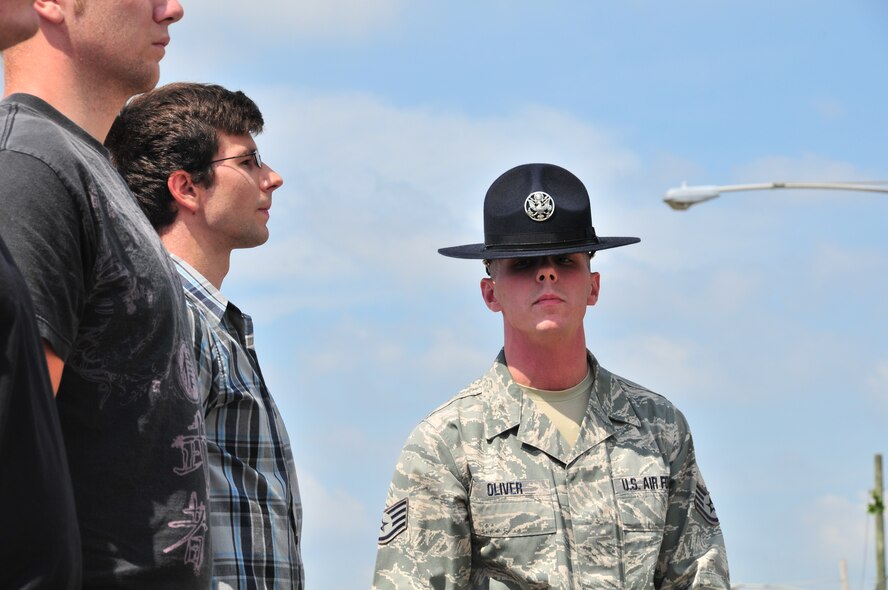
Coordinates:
684 196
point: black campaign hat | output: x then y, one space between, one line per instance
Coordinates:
536 210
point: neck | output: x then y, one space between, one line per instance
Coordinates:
212 263
46 72
554 365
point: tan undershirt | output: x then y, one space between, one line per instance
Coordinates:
566 409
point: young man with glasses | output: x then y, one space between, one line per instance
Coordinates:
188 153
109 307
548 471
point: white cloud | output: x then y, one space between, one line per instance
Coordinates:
453 352
667 365
828 109
330 512
336 529
835 263
373 343
806 168
370 148
225 40
291 254
730 291
399 349
877 384
837 529
306 18
669 170
371 189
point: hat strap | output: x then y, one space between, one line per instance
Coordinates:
538 240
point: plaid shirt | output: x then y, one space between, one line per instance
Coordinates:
255 510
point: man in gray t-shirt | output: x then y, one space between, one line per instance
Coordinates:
111 314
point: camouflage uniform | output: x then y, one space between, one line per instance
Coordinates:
486 494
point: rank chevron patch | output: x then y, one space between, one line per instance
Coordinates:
394 521
704 505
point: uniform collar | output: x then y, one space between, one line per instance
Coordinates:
506 407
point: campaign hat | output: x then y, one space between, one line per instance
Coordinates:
536 210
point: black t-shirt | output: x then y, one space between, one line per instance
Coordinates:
39 543
108 300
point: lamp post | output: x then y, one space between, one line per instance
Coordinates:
685 196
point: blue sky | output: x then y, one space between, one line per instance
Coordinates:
761 314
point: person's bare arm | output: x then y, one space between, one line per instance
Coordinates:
55 365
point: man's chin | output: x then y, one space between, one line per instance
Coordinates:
144 80
551 328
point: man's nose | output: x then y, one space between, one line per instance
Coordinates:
546 270
272 180
169 12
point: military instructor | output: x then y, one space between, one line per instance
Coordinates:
548 471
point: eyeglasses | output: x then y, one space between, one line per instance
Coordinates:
254 154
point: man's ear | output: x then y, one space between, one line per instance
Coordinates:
596 288
52 10
184 191
488 292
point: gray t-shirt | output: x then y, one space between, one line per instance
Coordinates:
109 302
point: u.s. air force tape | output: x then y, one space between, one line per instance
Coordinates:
641 484
704 505
394 521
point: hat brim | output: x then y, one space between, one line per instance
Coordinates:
482 252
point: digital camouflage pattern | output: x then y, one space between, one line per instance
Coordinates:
496 499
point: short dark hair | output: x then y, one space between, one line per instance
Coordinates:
175 127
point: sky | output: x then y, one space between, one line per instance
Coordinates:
761 315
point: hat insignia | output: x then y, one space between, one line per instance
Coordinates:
539 206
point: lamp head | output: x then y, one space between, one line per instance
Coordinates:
685 196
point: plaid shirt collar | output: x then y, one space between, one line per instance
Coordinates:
211 298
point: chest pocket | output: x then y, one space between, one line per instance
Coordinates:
642 502
513 531
642 506
517 508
